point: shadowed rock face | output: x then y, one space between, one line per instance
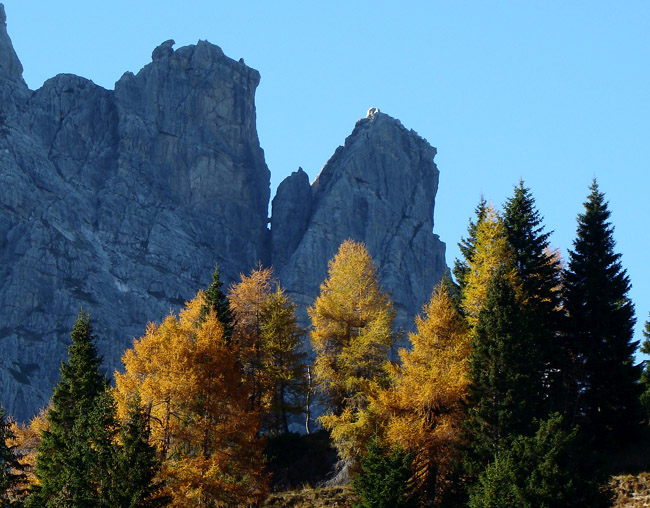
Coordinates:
120 202
378 188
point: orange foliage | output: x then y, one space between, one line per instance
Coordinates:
189 379
423 407
247 299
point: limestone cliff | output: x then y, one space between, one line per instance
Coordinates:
121 201
378 188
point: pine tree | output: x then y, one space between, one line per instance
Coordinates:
138 465
645 375
66 454
382 481
100 430
503 389
467 245
215 300
12 474
539 276
540 471
604 393
352 334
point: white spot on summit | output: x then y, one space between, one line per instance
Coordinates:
371 113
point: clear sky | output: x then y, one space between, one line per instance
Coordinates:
553 92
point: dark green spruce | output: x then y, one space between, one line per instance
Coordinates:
217 301
67 461
467 245
503 394
541 471
602 378
645 375
383 479
138 465
539 274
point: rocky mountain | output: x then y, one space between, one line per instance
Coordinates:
379 188
121 201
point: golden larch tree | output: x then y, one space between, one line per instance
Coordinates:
247 299
27 437
351 336
423 408
491 253
268 338
189 379
283 362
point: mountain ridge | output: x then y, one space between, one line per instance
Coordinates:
121 201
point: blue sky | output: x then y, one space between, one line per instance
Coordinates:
552 92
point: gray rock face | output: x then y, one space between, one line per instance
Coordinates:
292 207
120 202
10 67
378 188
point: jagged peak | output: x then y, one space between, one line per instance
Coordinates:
201 59
377 131
163 50
376 121
10 67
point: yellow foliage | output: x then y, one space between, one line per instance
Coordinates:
267 334
247 299
283 362
491 252
26 440
351 336
189 379
422 409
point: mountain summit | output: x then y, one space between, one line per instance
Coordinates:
121 201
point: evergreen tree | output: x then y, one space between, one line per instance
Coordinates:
215 300
467 245
66 459
645 375
539 276
540 471
138 466
100 430
382 481
503 389
604 393
12 474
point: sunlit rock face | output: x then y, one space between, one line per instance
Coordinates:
379 188
120 202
